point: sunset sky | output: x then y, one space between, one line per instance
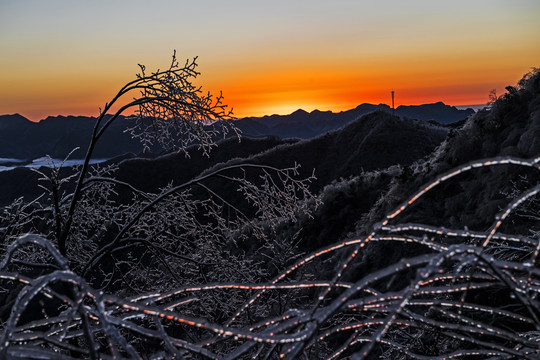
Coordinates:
70 57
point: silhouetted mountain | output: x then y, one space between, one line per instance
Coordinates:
364 148
304 125
439 112
156 173
374 141
12 121
58 136
510 127
149 173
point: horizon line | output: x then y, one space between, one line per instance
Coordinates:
474 107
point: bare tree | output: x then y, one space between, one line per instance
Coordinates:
492 97
168 108
185 233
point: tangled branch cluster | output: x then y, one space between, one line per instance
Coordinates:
175 113
114 237
436 305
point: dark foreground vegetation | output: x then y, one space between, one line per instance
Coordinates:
424 248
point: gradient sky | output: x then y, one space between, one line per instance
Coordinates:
71 56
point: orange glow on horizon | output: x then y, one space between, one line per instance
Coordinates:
269 60
284 93
262 99
266 91
264 87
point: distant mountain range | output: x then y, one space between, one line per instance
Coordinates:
304 125
364 168
57 136
374 141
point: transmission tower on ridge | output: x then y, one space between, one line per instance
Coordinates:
392 102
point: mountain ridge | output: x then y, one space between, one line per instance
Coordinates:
374 141
57 136
511 127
